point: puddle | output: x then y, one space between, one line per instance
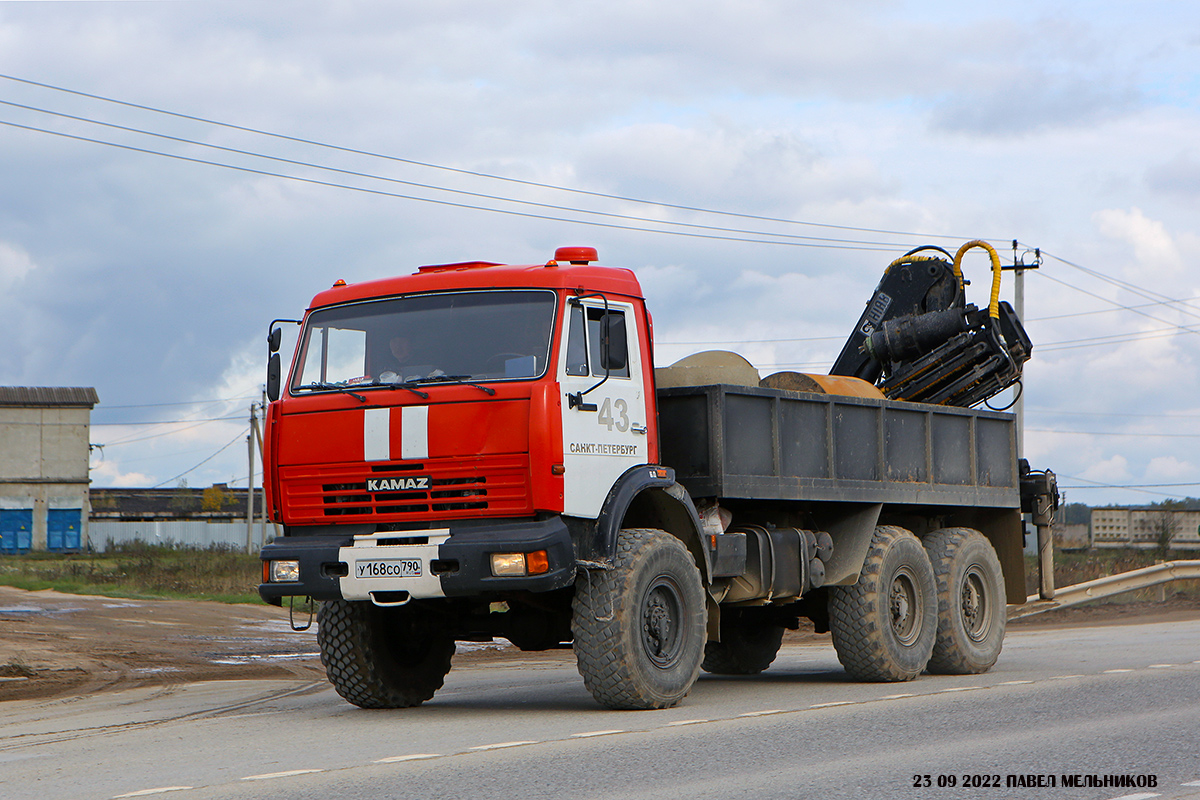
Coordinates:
475 647
22 610
255 659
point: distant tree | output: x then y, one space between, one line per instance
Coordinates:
183 499
1164 524
215 497
1075 514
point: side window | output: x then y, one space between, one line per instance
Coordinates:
618 354
576 344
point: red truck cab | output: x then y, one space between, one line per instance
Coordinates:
438 429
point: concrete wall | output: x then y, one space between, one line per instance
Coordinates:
183 533
44 463
1138 527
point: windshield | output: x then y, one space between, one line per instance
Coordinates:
469 336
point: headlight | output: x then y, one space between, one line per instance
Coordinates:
285 571
508 564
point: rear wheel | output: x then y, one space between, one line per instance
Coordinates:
749 643
885 624
971 602
639 627
382 657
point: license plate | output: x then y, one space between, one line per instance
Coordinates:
396 568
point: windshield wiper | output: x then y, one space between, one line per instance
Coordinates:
335 387
463 379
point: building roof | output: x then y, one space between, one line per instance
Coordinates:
58 396
216 502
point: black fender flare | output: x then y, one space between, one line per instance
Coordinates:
661 502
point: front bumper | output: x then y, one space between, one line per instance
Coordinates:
453 562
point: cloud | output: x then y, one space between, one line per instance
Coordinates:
1029 102
1180 176
1114 470
1153 247
15 264
1169 468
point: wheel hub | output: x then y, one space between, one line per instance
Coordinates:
661 622
904 605
973 599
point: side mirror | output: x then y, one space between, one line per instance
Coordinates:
614 345
273 339
273 373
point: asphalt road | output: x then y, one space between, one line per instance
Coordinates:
1120 701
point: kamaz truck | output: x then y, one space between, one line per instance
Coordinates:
479 450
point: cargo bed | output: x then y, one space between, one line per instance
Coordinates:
768 444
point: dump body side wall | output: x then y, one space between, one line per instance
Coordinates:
768 444
840 458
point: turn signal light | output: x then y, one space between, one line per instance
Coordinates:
537 562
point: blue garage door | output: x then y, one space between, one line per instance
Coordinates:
62 529
16 530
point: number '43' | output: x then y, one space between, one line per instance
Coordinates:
621 421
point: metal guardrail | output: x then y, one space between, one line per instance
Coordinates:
1108 586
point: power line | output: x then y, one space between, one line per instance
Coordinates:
1116 433
163 422
433 187
1184 301
1133 488
205 461
473 173
106 407
160 435
876 247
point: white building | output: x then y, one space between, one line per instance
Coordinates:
1140 527
44 435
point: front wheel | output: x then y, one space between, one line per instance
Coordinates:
884 625
382 657
971 602
640 627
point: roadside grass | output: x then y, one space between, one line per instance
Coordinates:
1072 567
138 570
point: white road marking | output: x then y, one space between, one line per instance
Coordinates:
148 792
686 722
413 757
762 713
1115 671
289 773
897 696
834 703
593 733
500 745
1013 683
1162 666
959 689
1193 783
1064 677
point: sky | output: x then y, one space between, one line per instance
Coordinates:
311 142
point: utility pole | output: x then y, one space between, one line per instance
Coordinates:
1019 267
250 482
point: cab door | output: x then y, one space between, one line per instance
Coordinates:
604 404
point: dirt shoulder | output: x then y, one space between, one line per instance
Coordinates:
54 644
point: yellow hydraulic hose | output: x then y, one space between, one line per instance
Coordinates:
909 260
994 305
